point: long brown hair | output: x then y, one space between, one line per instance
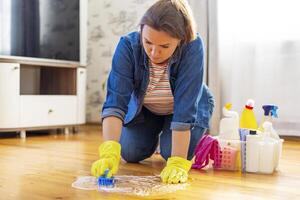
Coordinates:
174 17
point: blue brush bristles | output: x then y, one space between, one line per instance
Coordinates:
104 181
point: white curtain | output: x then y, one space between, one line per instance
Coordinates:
205 12
200 12
258 56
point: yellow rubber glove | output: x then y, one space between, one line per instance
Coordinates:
176 170
110 155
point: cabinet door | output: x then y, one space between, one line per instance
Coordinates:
9 95
81 95
48 110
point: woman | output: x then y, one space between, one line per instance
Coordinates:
156 93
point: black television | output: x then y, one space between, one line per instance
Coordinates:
46 29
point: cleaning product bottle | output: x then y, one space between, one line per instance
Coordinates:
229 134
248 119
229 125
253 151
270 111
272 134
268 153
268 130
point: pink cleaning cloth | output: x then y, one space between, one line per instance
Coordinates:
207 148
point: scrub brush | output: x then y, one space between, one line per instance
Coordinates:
104 181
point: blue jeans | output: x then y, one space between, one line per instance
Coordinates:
139 138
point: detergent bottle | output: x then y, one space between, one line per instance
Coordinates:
253 151
248 119
229 139
229 125
268 152
270 111
270 132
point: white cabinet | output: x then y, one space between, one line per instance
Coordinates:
9 95
40 97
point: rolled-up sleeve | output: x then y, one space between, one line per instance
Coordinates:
120 81
188 87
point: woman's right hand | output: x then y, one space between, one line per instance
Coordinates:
110 155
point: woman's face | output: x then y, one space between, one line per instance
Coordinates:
159 45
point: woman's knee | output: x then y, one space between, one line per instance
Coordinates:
130 158
133 154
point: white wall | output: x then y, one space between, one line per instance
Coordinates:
107 21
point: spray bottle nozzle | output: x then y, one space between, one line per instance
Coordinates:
270 110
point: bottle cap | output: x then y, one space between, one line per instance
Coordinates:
250 104
270 110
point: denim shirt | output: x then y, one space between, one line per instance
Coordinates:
129 77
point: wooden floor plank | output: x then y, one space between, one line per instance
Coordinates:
43 167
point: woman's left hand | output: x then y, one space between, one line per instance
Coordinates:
176 170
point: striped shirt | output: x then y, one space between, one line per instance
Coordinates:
159 98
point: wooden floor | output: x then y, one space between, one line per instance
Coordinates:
43 167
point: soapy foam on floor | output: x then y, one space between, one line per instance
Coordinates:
132 185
